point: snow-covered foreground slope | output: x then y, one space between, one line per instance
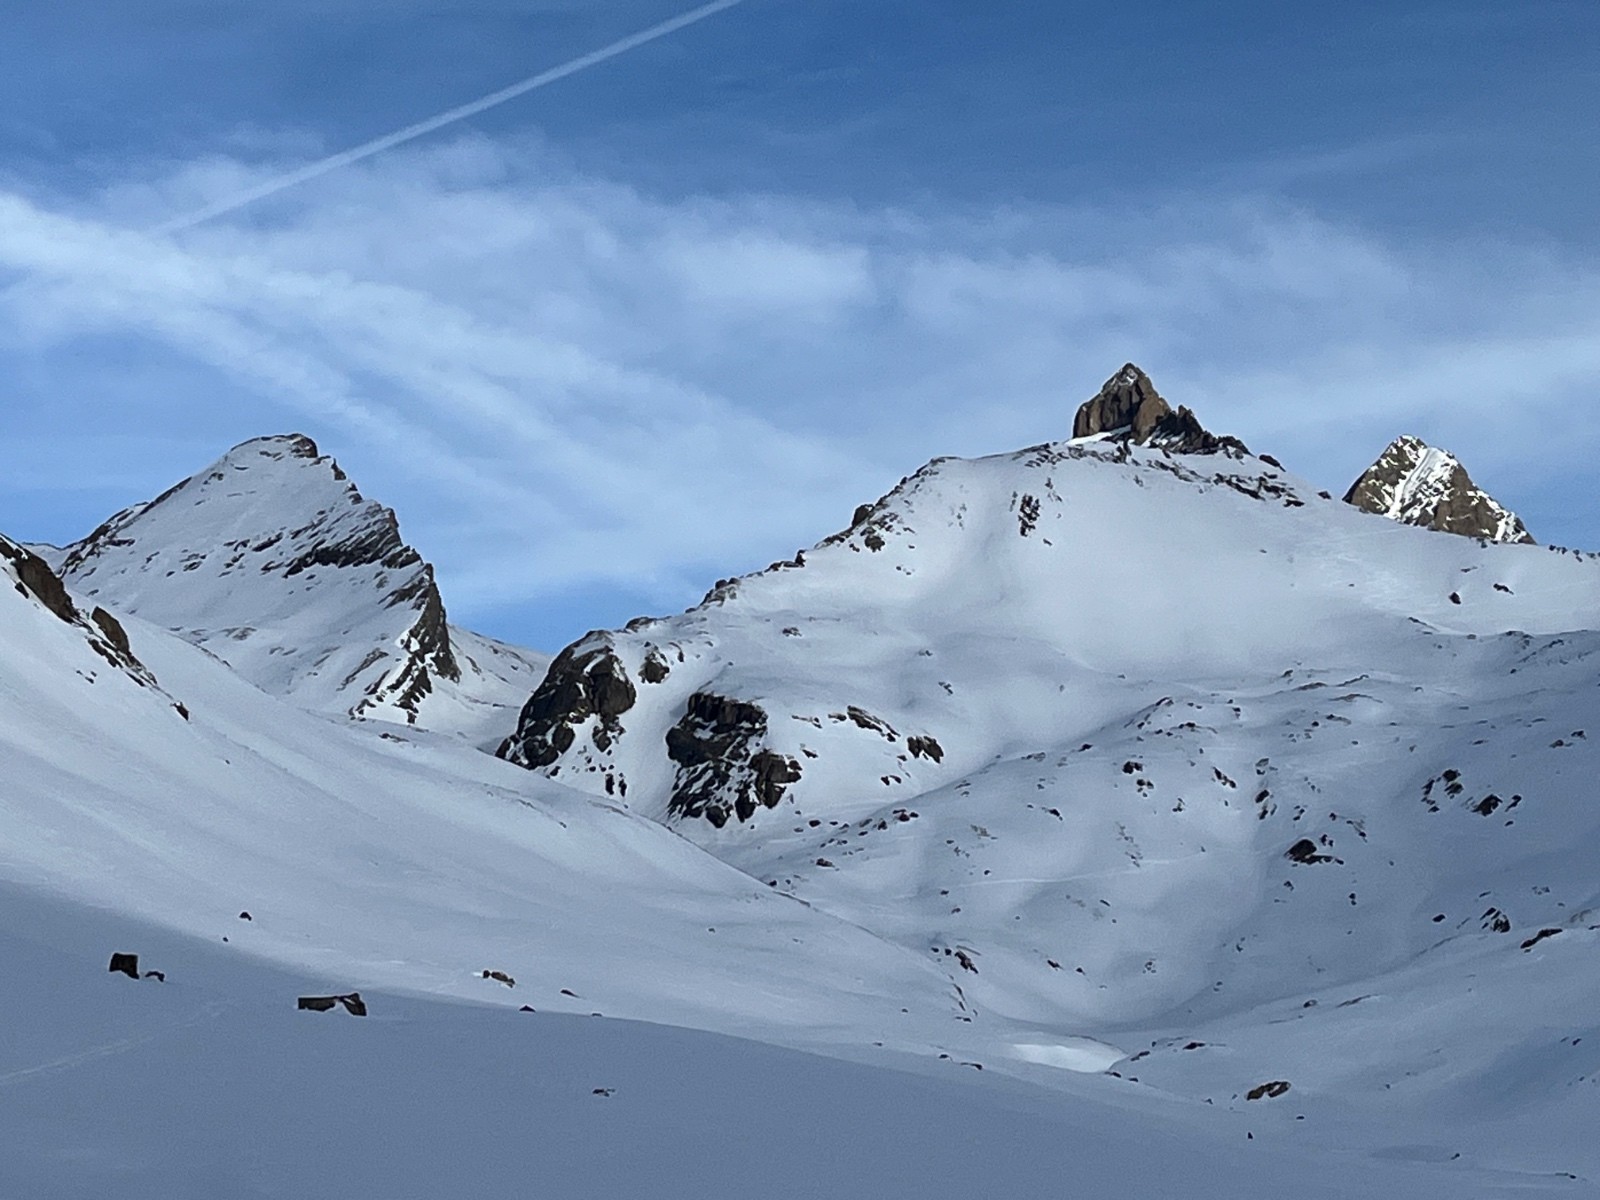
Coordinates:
211 1084
405 859
274 562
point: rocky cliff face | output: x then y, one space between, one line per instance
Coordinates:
1417 484
273 560
1129 408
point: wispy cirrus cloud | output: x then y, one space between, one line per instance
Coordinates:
564 384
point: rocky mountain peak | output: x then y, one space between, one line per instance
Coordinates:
1418 484
1129 408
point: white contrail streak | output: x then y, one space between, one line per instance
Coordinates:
389 140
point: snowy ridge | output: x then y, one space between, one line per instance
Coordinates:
274 562
1417 484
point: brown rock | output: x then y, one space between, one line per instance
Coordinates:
1130 407
1416 484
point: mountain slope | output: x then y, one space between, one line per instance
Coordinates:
211 1084
1416 484
44 596
1143 745
376 857
274 562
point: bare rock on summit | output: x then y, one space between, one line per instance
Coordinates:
1417 484
1129 407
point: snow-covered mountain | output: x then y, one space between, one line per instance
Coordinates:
1417 484
273 561
1163 748
1246 839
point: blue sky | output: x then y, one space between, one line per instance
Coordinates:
673 317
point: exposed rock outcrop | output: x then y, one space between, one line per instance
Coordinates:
724 766
352 1003
1129 407
587 680
1417 484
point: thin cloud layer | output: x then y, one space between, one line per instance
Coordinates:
564 384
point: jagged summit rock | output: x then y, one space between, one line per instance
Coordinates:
1129 407
272 560
1417 484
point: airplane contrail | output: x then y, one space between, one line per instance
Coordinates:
462 111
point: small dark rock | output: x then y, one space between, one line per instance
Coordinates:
1305 851
352 1002
1539 937
1268 1091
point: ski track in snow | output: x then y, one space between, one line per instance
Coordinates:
110 1049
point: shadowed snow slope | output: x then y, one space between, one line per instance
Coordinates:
403 859
274 562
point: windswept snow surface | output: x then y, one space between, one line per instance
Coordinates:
272 560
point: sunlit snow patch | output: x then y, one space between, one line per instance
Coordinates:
1084 1055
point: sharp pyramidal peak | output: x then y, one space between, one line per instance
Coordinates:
272 560
1417 484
